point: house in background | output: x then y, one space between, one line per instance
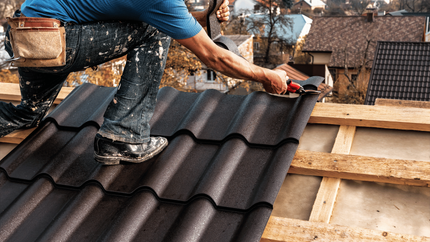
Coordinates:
309 5
346 45
401 71
252 6
209 79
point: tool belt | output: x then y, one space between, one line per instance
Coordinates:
37 42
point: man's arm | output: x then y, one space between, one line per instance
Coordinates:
224 61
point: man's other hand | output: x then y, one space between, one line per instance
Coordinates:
223 12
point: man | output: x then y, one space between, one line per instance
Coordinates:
101 30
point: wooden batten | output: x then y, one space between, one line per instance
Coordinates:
361 168
11 92
386 117
403 103
292 230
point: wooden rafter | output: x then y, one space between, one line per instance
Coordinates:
327 193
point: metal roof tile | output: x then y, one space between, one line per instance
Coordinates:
42 211
216 181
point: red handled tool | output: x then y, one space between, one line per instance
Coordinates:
295 90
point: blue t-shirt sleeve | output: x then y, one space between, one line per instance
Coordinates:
172 18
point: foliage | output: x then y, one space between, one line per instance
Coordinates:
7 76
299 56
180 64
8 7
107 74
354 91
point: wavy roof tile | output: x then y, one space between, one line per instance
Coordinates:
216 181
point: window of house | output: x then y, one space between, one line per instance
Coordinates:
210 76
256 46
428 24
257 8
333 74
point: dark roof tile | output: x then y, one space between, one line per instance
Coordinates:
216 181
41 211
400 71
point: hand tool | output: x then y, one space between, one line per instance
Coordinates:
214 28
295 90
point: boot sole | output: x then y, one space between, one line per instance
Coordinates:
116 160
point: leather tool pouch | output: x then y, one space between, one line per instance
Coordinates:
37 42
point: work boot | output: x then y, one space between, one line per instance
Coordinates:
110 152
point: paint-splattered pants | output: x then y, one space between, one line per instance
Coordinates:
126 118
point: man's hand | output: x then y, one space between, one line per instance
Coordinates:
223 12
278 82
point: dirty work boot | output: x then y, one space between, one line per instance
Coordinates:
111 152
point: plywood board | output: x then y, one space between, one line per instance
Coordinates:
396 144
392 208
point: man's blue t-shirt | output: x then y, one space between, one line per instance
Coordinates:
169 16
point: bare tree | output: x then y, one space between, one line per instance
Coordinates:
413 6
360 6
271 25
356 84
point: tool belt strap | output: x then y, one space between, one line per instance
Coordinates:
37 42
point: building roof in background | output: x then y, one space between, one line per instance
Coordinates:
293 73
239 39
312 3
401 70
345 37
216 181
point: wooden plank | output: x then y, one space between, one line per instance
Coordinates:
288 230
402 118
17 136
327 193
325 200
344 138
361 168
401 103
11 92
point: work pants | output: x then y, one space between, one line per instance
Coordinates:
127 116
